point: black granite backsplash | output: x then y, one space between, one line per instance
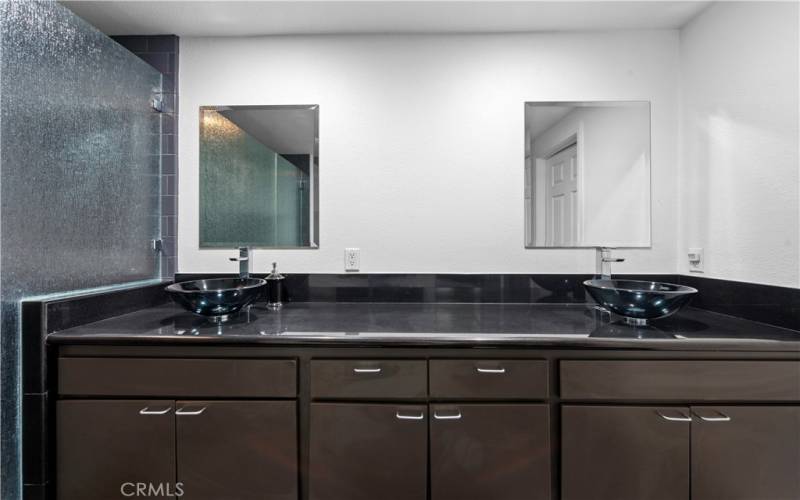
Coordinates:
779 306
774 305
443 288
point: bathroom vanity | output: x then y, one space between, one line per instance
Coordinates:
334 401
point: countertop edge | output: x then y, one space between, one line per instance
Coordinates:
434 340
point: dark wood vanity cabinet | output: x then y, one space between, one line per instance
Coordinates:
234 445
198 450
746 453
490 451
690 448
678 453
368 451
409 427
104 444
456 450
624 453
477 451
245 450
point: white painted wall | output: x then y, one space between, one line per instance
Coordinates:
422 140
739 176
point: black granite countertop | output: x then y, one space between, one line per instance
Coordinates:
404 324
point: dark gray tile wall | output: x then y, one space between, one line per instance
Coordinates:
162 52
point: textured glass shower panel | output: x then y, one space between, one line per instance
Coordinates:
80 155
249 194
237 183
79 172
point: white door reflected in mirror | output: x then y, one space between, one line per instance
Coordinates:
587 174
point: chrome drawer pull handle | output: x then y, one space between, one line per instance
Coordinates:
491 370
403 416
366 370
181 411
456 416
684 418
715 419
147 411
722 417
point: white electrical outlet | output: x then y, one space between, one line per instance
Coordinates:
352 259
696 260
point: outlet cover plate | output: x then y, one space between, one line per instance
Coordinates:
696 260
352 259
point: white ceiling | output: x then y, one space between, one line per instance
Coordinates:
248 18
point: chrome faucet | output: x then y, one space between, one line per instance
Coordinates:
244 262
604 260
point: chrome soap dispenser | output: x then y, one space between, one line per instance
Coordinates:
275 288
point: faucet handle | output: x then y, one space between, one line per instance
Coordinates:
605 255
244 255
604 260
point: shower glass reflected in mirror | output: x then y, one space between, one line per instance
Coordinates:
587 174
259 169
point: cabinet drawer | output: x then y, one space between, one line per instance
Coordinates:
681 380
383 379
167 377
488 379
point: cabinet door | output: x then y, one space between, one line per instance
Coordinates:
741 452
496 451
237 449
624 453
105 448
368 452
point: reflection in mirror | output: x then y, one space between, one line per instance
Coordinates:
258 176
587 174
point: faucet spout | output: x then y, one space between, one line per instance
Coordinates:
604 260
244 262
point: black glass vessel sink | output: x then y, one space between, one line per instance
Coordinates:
216 297
639 301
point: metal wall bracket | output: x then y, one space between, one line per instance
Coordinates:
157 103
158 246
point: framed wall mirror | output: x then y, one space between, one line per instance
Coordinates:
259 171
587 174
